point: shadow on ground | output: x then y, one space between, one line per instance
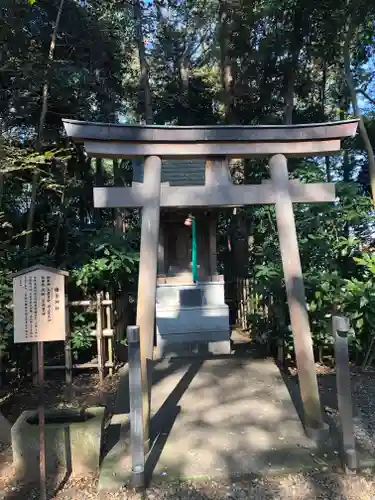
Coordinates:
219 418
234 420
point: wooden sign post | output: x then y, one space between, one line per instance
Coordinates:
39 316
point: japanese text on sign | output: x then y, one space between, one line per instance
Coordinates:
39 306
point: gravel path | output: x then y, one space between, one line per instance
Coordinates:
364 401
363 394
297 487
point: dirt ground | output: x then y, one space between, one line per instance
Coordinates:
22 395
86 391
296 487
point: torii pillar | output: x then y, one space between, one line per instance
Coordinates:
147 281
295 291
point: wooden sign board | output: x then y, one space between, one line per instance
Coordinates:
39 305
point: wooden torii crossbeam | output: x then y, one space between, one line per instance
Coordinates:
217 195
216 144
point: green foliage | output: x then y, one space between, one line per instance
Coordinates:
359 299
354 297
209 62
109 265
82 325
338 274
6 323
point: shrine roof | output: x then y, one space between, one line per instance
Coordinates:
80 131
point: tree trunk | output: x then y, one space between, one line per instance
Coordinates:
43 114
357 113
144 69
117 211
82 177
346 178
61 216
98 182
2 182
291 77
347 168
51 53
31 213
289 94
225 62
328 169
323 101
184 84
295 46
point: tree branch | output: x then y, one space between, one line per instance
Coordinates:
365 94
353 97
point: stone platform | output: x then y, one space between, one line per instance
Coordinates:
217 417
192 319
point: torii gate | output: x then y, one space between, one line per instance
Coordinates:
216 144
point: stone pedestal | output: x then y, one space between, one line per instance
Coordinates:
73 441
192 319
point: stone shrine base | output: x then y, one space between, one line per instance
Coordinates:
192 319
217 418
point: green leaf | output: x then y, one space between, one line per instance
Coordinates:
363 302
312 307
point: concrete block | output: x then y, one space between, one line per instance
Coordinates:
73 441
200 348
192 320
219 348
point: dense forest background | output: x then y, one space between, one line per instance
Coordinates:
187 62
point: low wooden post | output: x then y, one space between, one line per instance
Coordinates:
136 413
109 327
34 363
41 413
1 365
212 244
340 326
99 336
370 355
296 295
194 250
68 346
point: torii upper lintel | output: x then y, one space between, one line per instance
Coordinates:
237 141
